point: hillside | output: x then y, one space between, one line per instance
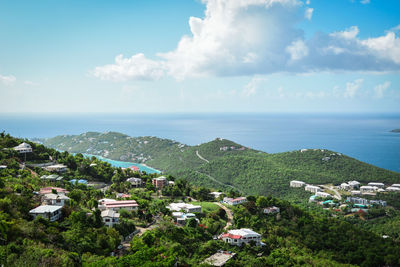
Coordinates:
226 165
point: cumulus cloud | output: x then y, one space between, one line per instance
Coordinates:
381 88
250 37
352 88
365 2
252 87
7 80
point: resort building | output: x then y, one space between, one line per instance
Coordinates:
23 148
380 185
355 192
295 183
271 210
160 182
234 201
368 189
50 212
239 237
136 182
184 207
354 184
312 188
56 168
116 205
110 217
378 202
323 194
393 189
55 199
357 200
345 186
395 185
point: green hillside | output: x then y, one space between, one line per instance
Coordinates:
223 164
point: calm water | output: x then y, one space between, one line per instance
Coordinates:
365 137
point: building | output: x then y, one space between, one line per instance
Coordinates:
110 217
181 217
116 205
322 194
395 185
55 199
354 184
379 185
345 186
234 201
295 183
312 188
2 167
368 189
355 192
48 190
56 168
50 212
184 207
52 177
23 148
136 182
393 189
271 210
216 194
239 237
357 200
160 182
378 202
122 195
219 258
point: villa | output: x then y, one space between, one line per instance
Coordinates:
110 217
312 188
295 183
23 148
234 201
393 189
55 199
160 182
56 168
116 205
184 207
380 185
136 182
271 210
50 212
354 184
242 236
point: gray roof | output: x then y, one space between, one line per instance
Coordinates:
109 213
45 209
56 196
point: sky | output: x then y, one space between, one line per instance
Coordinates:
317 56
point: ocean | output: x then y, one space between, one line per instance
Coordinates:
366 137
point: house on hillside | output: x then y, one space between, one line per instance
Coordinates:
242 236
56 168
50 212
48 190
160 182
216 194
181 217
312 188
55 199
295 183
136 182
345 186
116 205
393 189
368 189
271 210
23 148
52 178
190 208
110 217
234 201
379 185
354 184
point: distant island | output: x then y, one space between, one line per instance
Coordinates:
395 131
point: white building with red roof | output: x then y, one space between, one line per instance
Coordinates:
49 190
240 236
120 204
234 201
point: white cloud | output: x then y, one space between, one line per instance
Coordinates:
138 67
352 88
7 80
31 83
308 13
252 87
365 1
308 2
381 88
250 37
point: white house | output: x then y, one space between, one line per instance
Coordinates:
323 194
216 194
345 186
354 184
380 185
50 212
395 185
55 199
116 205
23 148
110 217
295 183
393 189
56 168
136 182
312 188
234 201
190 208
368 188
271 210
240 236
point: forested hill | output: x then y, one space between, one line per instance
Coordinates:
224 164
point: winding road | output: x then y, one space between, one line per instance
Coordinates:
228 213
200 157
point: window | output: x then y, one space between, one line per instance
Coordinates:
107 220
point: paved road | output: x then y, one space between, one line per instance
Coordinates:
228 213
337 194
197 153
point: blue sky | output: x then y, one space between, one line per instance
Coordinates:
200 56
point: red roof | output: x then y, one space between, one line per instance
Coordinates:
121 204
232 236
134 168
47 190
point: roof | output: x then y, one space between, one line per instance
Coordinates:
23 145
120 204
45 209
106 200
47 190
242 232
219 258
181 206
134 168
56 196
232 236
109 213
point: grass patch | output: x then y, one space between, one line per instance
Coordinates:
206 206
